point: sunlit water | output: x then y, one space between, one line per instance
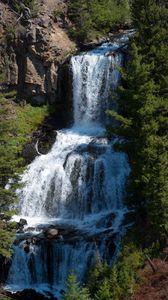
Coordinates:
78 185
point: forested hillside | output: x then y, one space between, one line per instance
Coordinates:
144 119
96 18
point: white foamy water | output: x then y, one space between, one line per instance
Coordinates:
78 186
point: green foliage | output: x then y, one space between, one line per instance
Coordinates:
154 250
95 18
17 125
32 4
143 118
7 233
10 33
2 77
96 276
104 292
73 291
4 297
116 282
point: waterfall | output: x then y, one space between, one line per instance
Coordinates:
94 77
77 188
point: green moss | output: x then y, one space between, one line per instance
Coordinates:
27 120
17 125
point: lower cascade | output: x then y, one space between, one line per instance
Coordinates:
71 199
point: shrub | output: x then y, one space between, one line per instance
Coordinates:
94 18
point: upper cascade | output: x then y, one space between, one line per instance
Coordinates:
95 75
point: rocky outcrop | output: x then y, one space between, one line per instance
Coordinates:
31 54
29 295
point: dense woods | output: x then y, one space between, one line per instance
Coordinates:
96 18
144 118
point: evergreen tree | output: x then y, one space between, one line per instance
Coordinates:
104 292
73 291
96 276
109 288
94 18
143 117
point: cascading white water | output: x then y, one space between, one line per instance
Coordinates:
94 78
78 186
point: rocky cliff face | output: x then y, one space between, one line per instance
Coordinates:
32 52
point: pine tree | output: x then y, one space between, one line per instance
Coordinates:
96 276
104 292
94 18
144 117
73 291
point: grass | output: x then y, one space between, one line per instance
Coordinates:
21 122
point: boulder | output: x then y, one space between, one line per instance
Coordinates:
29 294
29 152
51 233
23 222
26 247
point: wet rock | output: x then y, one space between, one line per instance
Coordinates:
94 44
95 149
60 237
30 229
51 233
29 294
75 172
111 246
106 221
110 220
46 140
29 240
129 218
34 240
20 225
26 247
20 230
29 152
39 100
23 222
